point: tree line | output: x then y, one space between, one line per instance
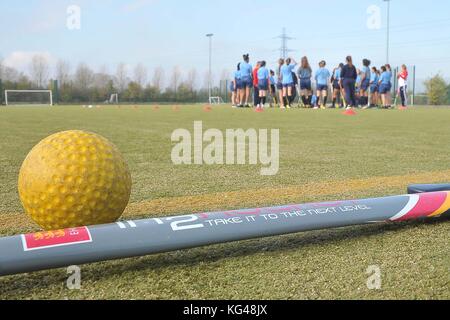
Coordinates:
84 85
438 91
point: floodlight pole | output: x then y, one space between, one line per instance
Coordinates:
414 86
210 35
388 29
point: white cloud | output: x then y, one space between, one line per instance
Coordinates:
20 60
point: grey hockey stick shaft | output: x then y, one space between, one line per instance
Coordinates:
60 248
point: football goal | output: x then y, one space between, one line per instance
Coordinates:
29 97
216 100
114 99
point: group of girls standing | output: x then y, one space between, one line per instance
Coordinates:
350 87
380 85
260 78
242 83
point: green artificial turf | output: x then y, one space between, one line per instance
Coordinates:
315 147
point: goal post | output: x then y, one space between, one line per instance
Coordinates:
1 92
29 97
216 100
114 99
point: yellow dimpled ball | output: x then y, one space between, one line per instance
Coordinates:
73 179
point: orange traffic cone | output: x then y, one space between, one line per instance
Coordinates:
349 112
259 110
402 108
207 108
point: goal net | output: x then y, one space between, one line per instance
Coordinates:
216 100
29 97
114 99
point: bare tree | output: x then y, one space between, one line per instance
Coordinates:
83 76
102 82
206 80
140 74
121 77
39 70
103 69
11 74
175 78
158 78
102 78
63 72
191 79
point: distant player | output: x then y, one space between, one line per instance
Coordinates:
365 83
288 81
236 86
246 80
295 90
358 87
389 93
374 78
313 100
337 90
263 84
280 83
403 85
348 82
256 97
322 76
273 89
385 87
304 74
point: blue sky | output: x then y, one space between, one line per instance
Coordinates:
171 33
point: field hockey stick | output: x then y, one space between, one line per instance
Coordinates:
274 96
396 97
343 96
406 94
300 100
76 246
332 89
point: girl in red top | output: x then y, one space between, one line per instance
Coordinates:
256 98
403 85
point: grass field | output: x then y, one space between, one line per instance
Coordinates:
323 156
